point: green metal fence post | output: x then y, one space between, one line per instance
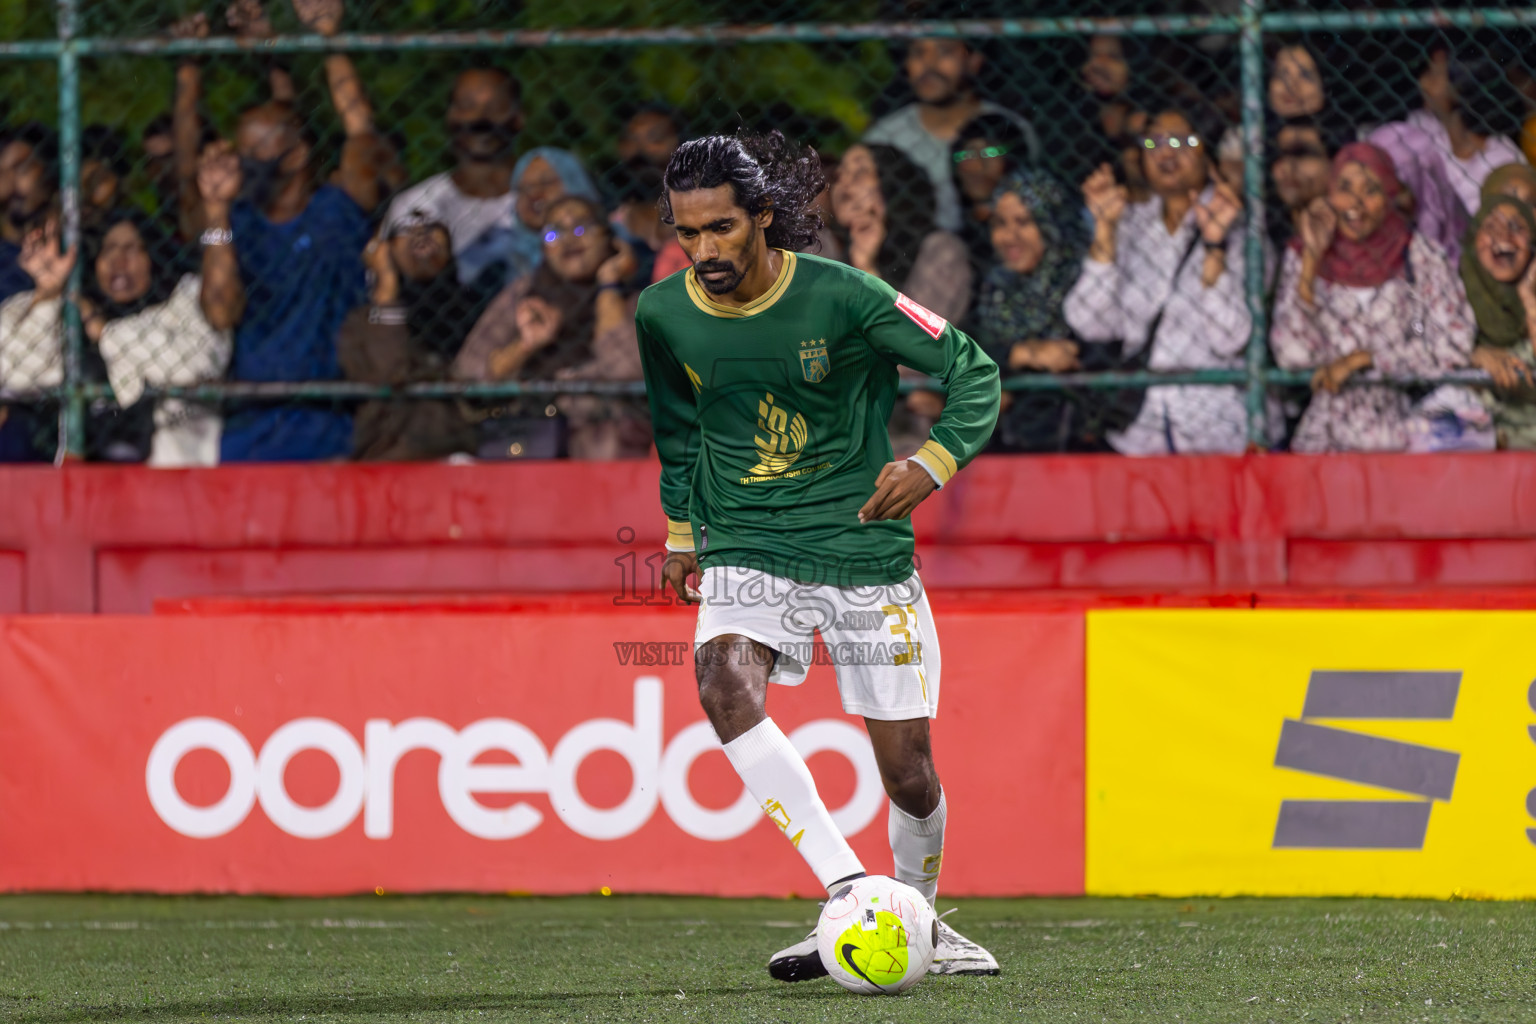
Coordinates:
1252 49
72 399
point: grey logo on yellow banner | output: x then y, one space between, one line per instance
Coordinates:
1425 773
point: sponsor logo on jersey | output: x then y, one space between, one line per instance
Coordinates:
932 324
814 362
780 440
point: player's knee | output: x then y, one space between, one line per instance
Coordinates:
726 685
912 784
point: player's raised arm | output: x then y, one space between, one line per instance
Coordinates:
907 333
672 396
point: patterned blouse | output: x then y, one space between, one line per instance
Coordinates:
1411 328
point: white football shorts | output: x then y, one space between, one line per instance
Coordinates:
880 640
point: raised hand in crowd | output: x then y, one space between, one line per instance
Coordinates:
248 19
383 274
538 323
218 184
193 26
1106 200
42 259
1318 222
619 267
218 175
320 16
1214 219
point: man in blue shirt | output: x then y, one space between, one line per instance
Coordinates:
289 265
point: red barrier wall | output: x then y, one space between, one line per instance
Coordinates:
106 539
87 703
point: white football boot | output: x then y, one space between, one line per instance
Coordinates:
800 962
955 954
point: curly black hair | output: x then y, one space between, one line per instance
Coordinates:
765 172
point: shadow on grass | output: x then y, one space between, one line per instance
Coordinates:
371 1006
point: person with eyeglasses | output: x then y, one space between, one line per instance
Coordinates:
512 248
572 318
1164 278
987 149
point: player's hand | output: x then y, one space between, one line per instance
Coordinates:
676 570
900 488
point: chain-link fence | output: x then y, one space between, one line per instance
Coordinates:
315 228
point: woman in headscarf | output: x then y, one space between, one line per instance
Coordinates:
1362 292
142 311
987 149
1039 237
883 212
1499 273
1518 180
417 318
539 177
572 318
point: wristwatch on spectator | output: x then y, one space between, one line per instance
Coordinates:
217 236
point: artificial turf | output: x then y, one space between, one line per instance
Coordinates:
458 958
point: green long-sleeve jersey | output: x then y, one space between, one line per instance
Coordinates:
770 418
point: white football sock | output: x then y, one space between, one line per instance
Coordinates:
917 846
777 778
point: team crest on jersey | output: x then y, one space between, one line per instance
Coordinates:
814 362
932 324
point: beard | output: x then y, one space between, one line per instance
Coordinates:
723 285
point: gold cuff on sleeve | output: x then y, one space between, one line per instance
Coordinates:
936 457
679 536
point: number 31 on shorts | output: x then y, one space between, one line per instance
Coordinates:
905 614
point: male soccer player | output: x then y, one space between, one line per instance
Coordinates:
771 376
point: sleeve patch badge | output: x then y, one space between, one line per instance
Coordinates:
931 323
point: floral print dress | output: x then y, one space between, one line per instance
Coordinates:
1411 327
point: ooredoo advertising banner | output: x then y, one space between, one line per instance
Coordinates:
544 752
1284 753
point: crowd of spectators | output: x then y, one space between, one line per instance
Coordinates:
1395 252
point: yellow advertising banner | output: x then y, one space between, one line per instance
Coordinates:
1282 753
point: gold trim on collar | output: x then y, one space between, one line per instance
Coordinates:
701 297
